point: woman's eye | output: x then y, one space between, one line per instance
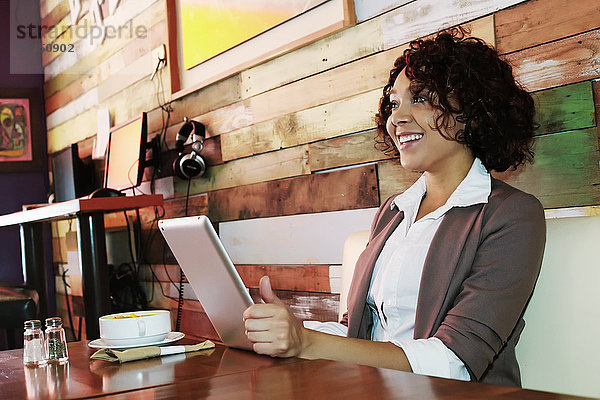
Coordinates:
393 104
419 99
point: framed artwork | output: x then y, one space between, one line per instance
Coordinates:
21 136
212 39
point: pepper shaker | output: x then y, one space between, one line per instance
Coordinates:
34 353
56 342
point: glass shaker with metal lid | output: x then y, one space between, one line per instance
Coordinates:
56 342
34 352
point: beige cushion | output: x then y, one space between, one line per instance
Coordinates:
353 246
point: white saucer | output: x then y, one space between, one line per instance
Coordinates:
171 337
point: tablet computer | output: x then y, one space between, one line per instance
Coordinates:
211 274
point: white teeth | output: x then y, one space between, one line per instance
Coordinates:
408 138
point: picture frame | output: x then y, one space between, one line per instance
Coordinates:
318 21
21 136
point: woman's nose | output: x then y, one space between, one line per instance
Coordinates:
400 115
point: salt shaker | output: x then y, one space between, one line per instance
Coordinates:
56 342
34 352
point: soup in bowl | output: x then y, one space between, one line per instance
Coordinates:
133 328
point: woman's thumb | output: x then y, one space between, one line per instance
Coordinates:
266 292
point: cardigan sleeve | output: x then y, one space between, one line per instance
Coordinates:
493 296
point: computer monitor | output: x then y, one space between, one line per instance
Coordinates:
126 154
69 175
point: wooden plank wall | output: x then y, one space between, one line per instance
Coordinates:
292 137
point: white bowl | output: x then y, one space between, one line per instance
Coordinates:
136 327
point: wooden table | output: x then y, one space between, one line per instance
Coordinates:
91 245
224 373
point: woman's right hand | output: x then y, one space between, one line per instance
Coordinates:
272 327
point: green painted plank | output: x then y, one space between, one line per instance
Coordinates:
565 108
565 173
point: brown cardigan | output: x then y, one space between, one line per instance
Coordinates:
478 276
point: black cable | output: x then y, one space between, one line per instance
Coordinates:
181 274
180 301
139 243
187 196
130 247
70 315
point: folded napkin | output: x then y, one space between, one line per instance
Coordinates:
142 353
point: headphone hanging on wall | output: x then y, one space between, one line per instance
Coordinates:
188 166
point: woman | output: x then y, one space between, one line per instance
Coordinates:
451 263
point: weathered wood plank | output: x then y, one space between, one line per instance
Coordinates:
255 139
334 50
306 278
74 130
338 190
264 167
347 150
393 178
565 108
349 115
366 9
69 110
424 17
569 60
541 21
345 81
302 239
566 170
75 89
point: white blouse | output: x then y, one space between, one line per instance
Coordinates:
396 278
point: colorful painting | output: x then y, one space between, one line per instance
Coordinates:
209 27
15 130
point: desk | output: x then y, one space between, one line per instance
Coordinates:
91 245
224 373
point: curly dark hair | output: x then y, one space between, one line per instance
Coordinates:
466 78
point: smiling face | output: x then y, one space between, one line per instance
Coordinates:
411 125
